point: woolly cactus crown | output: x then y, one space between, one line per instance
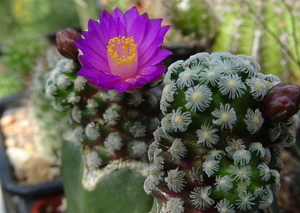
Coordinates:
215 149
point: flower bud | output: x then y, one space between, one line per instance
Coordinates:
281 102
65 40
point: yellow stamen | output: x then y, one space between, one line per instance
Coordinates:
122 57
122 49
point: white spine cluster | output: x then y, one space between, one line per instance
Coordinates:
212 139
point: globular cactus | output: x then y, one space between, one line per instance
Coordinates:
218 146
196 20
115 125
112 132
114 109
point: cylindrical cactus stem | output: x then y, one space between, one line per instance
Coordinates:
217 147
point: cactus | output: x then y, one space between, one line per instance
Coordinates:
195 20
222 123
49 122
260 29
112 130
218 146
113 111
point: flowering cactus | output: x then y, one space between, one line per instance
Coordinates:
112 132
111 127
217 149
222 123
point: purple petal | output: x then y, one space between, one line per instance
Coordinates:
151 31
130 16
93 44
89 60
107 81
160 55
85 47
88 72
122 86
151 51
104 29
157 74
94 30
112 28
117 13
104 14
153 73
137 30
163 31
100 58
121 31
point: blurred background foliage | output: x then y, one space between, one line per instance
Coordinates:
40 17
27 30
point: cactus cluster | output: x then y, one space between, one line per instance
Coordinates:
218 147
185 17
106 125
213 133
49 122
260 28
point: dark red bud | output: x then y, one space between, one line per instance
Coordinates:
281 102
65 40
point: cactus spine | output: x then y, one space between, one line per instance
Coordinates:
215 150
112 132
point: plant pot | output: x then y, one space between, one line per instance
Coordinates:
8 180
48 204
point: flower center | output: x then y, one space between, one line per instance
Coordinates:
122 56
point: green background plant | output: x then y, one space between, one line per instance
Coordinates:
25 26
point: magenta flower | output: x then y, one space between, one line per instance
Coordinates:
122 51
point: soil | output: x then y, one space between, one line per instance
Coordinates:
30 167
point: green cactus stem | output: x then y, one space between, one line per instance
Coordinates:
214 150
112 132
50 122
